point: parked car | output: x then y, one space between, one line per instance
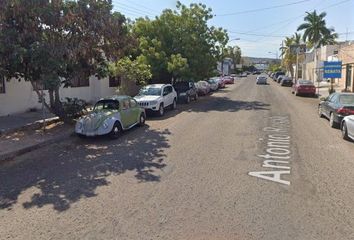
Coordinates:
261 79
286 81
203 87
111 116
244 74
304 87
229 80
214 85
186 91
220 82
157 97
347 127
336 106
280 77
277 74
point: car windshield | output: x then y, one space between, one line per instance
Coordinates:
150 91
347 99
211 81
106 105
305 82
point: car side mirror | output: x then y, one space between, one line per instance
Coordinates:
165 94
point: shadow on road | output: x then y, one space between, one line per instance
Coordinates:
62 174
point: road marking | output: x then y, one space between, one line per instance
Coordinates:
277 151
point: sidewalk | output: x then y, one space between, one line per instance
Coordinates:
323 88
22 141
22 120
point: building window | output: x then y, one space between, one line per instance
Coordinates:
2 84
114 81
80 82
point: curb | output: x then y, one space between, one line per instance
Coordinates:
34 125
11 155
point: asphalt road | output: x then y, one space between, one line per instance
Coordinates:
195 174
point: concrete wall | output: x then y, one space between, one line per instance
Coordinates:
20 97
346 55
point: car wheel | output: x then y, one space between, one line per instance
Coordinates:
320 114
345 131
116 131
161 110
142 119
174 104
332 123
188 100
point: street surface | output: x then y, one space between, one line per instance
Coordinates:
194 174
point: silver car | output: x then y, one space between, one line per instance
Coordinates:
261 79
347 127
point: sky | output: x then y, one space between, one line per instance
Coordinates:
256 26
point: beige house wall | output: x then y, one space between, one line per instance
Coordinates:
346 55
19 95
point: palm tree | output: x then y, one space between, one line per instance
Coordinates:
315 28
289 58
316 33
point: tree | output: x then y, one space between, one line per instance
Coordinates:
316 33
288 57
315 29
235 54
53 43
177 66
135 71
180 43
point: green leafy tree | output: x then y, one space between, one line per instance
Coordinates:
132 72
315 29
316 32
234 53
185 33
54 43
177 66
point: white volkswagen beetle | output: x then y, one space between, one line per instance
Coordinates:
111 116
347 127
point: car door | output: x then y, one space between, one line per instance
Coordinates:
126 113
333 104
350 125
135 111
168 96
192 89
325 105
165 96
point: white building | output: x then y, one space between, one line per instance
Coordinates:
18 96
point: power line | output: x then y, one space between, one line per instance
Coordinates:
261 9
133 12
143 6
133 8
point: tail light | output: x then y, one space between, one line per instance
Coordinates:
345 111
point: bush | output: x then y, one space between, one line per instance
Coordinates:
74 107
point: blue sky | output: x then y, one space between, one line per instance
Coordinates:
260 32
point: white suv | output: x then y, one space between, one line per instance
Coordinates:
157 97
